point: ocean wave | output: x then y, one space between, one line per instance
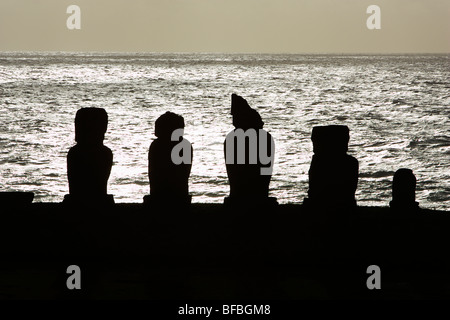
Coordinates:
376 174
434 142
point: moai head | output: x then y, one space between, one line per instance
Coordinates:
90 126
331 139
244 117
404 187
166 124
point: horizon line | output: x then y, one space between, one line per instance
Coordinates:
230 53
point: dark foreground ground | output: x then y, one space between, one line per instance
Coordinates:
210 252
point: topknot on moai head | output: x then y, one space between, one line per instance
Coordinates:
238 105
166 124
244 116
90 125
404 186
331 139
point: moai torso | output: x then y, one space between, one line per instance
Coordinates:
333 175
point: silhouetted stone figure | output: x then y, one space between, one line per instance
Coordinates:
249 159
333 174
169 163
404 190
89 162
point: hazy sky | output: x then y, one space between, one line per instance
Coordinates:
266 26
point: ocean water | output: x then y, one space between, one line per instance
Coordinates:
396 106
